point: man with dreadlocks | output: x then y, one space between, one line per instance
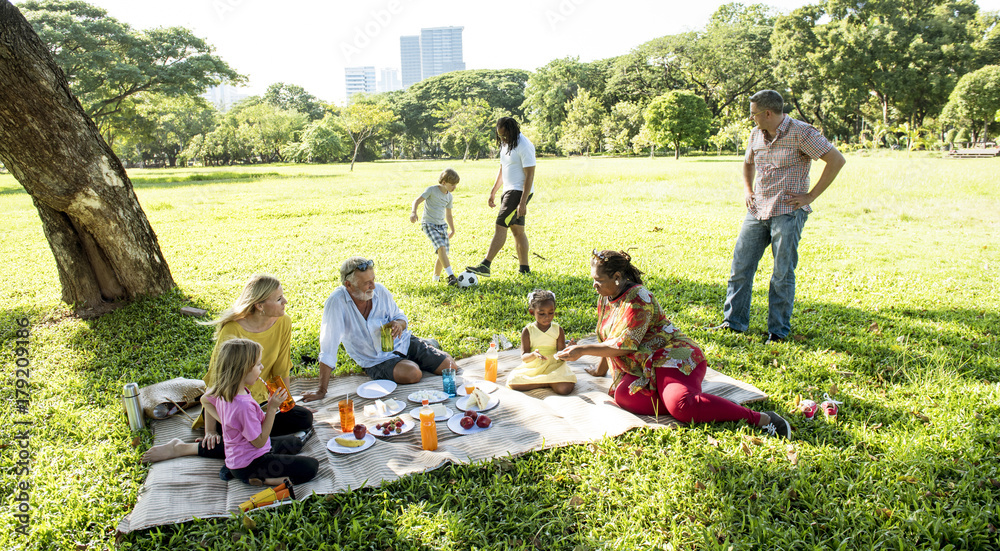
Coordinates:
517 175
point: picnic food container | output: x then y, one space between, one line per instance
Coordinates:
133 410
491 363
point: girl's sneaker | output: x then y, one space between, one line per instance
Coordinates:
778 426
809 408
830 409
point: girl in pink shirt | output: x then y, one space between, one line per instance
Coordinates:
246 429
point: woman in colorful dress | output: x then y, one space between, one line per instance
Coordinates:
655 367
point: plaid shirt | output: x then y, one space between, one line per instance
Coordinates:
783 165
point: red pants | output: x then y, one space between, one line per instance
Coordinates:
680 395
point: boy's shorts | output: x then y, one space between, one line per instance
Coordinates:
420 353
507 216
438 234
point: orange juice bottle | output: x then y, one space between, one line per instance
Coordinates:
491 363
428 428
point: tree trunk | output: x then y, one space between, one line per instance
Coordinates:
105 249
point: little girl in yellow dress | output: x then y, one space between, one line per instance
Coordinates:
539 343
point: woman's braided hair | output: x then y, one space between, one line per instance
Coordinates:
610 262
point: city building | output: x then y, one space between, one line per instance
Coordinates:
223 97
359 79
389 80
409 57
435 51
441 51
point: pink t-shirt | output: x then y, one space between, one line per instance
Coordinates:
241 422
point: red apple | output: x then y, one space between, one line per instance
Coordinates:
467 422
483 421
471 414
360 431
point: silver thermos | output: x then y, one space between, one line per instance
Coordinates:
132 408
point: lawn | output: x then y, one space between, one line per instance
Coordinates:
896 316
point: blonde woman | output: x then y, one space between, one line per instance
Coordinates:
258 314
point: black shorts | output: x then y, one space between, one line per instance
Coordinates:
507 216
420 352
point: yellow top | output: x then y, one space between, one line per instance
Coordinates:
277 355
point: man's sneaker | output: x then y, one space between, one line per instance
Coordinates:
453 281
480 269
778 426
724 326
771 337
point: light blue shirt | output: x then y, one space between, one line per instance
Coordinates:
343 324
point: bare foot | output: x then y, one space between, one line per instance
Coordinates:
170 450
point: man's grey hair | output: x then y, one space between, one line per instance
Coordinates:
768 100
349 268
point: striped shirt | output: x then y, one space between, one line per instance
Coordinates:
782 165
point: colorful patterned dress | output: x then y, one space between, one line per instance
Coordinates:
635 322
539 371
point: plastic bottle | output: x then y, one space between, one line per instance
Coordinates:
428 428
491 363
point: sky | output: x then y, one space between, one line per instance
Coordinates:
310 42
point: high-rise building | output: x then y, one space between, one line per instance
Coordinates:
359 79
409 58
437 50
389 80
223 97
441 50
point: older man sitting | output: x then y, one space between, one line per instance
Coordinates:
354 315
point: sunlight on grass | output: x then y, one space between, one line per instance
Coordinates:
895 307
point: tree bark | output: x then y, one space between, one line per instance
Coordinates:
104 247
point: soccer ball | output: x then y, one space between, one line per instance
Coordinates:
467 279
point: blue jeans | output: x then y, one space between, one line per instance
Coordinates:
782 233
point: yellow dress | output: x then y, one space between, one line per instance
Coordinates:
540 371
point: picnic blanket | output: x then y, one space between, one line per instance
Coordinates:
185 488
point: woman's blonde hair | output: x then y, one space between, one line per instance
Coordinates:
256 291
236 358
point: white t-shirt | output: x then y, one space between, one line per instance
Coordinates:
513 163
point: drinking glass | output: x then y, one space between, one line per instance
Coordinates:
448 381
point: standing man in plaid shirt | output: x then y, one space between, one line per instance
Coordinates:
780 152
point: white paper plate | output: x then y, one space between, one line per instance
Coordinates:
433 396
488 387
408 425
454 423
376 389
415 413
461 402
333 446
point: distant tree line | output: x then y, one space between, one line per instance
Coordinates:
915 74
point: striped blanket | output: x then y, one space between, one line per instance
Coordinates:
185 488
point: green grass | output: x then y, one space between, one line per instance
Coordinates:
896 307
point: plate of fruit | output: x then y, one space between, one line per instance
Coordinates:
359 441
469 422
478 401
394 426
